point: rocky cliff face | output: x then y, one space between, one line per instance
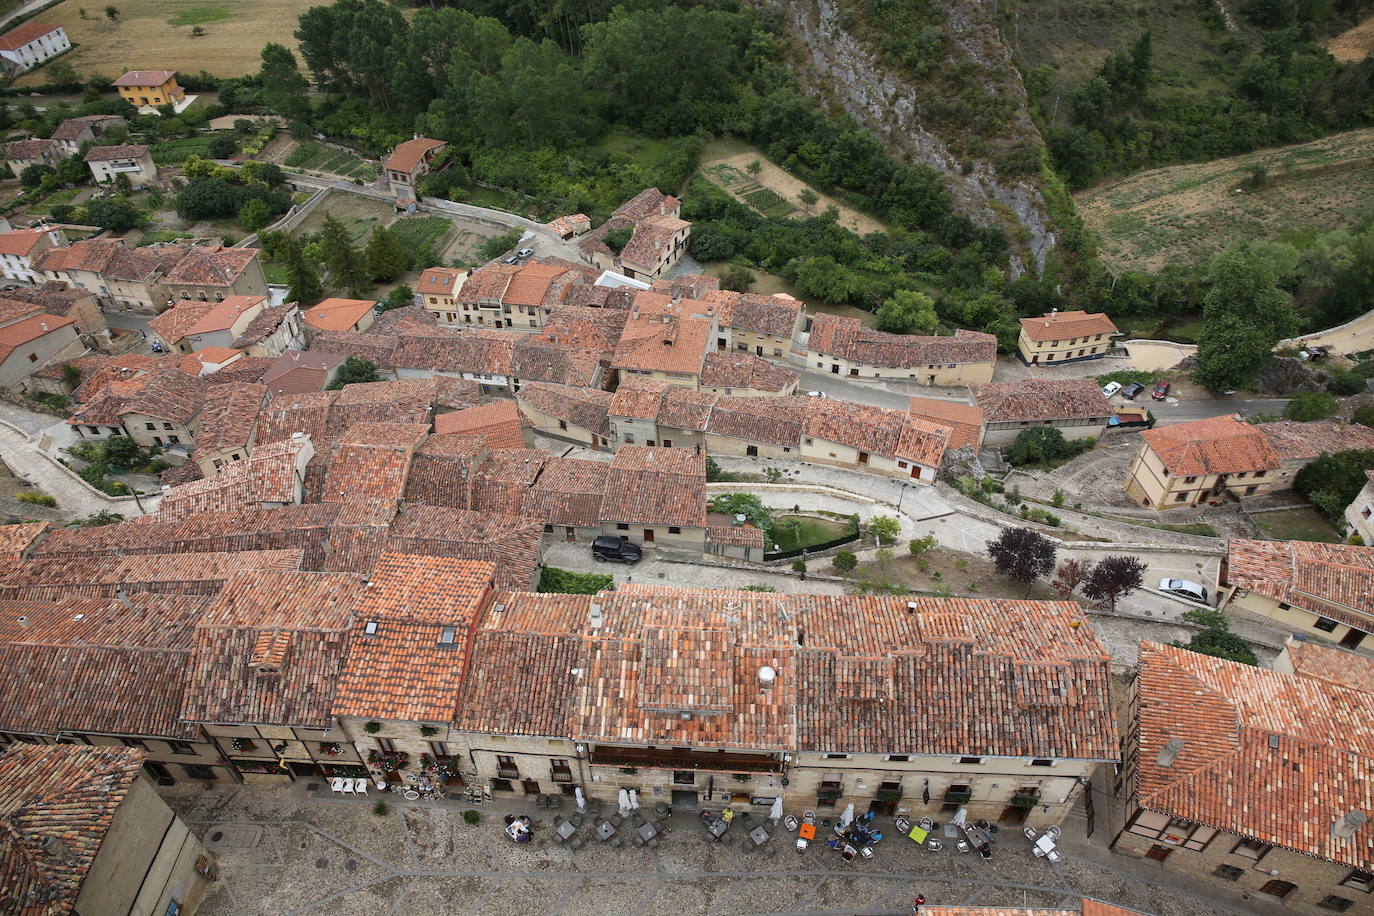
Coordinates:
842 67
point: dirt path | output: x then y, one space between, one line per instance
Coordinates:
1353 44
1354 337
790 187
1155 357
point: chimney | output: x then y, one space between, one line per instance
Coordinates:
595 616
1169 752
123 598
1344 829
767 676
24 621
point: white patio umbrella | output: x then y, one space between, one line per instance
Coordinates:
775 813
847 817
634 800
624 802
581 799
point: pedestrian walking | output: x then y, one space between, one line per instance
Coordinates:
920 901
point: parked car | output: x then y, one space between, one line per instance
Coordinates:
513 259
616 550
1131 390
1161 391
1184 589
816 394
1110 389
525 253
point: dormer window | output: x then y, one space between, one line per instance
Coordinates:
370 628
448 636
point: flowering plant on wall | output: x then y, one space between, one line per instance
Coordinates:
243 744
331 749
389 761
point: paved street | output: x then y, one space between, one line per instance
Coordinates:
302 853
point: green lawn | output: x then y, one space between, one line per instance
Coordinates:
645 152
200 15
809 531
60 196
275 273
1296 525
175 152
1201 529
420 235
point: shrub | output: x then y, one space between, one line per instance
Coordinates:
1216 638
379 808
1331 481
1364 415
884 528
746 504
799 565
918 546
471 818
845 561
36 499
428 730
499 245
565 582
617 239
1311 405
372 727
1042 446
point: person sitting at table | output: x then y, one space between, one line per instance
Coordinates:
705 816
727 815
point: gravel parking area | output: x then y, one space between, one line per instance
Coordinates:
302 853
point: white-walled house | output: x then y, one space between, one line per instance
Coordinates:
17 249
31 44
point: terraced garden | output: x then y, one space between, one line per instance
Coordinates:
317 157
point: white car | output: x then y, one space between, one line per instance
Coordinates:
1182 588
1110 389
816 394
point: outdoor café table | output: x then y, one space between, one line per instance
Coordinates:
566 829
758 835
647 832
717 827
1045 843
605 830
918 834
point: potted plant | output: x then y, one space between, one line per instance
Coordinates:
243 745
389 761
892 797
428 730
331 749
372 727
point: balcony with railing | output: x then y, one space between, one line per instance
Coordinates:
1025 800
668 759
503 772
560 774
958 798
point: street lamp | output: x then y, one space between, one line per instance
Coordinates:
905 486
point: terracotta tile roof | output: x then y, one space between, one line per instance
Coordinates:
775 315
54 578
250 529
20 241
407 155
1275 757
568 491
16 334
688 286
692 410
1218 445
474 352
93 665
175 323
371 462
408 319
590 328
423 611
165 394
15 540
677 345
777 421
513 543
270 648
266 477
11 309
733 535
1333 580
378 349
209 360
264 324
741 370
338 314
71 128
486 284
567 225
405 401
966 420
107 257
122 151
57 804
222 315
440 281
298 372
21 35
498 423
588 296
875 430
292 413
1038 399
443 469
656 486
145 78
1293 441
55 298
503 478
1332 664
652 240
27 149
1067 326
540 358
847 338
1086 907
585 408
923 442
530 283
648 202
639 397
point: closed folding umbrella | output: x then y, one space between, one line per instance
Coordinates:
634 800
624 802
925 794
847 817
581 799
775 813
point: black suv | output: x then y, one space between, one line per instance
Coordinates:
620 550
1131 390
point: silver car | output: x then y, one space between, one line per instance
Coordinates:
1182 588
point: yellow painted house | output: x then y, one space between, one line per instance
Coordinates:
150 87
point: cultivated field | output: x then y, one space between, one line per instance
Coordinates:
773 192
156 35
1187 212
